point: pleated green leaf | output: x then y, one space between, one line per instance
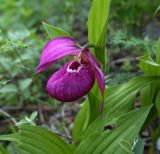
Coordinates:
127 128
118 100
37 140
81 121
148 66
97 27
53 31
121 99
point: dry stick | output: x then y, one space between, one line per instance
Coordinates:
12 119
41 114
66 137
120 60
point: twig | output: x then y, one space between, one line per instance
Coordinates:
41 114
12 119
121 60
66 137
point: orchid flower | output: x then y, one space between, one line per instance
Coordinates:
77 76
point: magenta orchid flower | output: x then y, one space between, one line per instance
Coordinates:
77 76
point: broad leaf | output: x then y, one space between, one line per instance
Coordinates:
37 140
127 128
97 27
119 100
148 93
148 66
53 31
95 100
81 121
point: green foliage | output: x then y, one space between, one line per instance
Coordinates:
150 93
34 140
54 31
3 150
122 40
118 100
158 52
157 101
22 40
120 78
130 14
3 83
139 146
28 120
81 121
150 68
133 121
97 27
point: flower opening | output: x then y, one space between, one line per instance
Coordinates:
74 67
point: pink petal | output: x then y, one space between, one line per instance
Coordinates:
56 49
68 85
99 75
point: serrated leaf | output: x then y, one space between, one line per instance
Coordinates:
128 127
97 27
53 31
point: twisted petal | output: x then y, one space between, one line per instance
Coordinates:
56 49
71 82
99 74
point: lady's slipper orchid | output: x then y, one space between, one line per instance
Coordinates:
77 76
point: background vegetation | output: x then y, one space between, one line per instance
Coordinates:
134 28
